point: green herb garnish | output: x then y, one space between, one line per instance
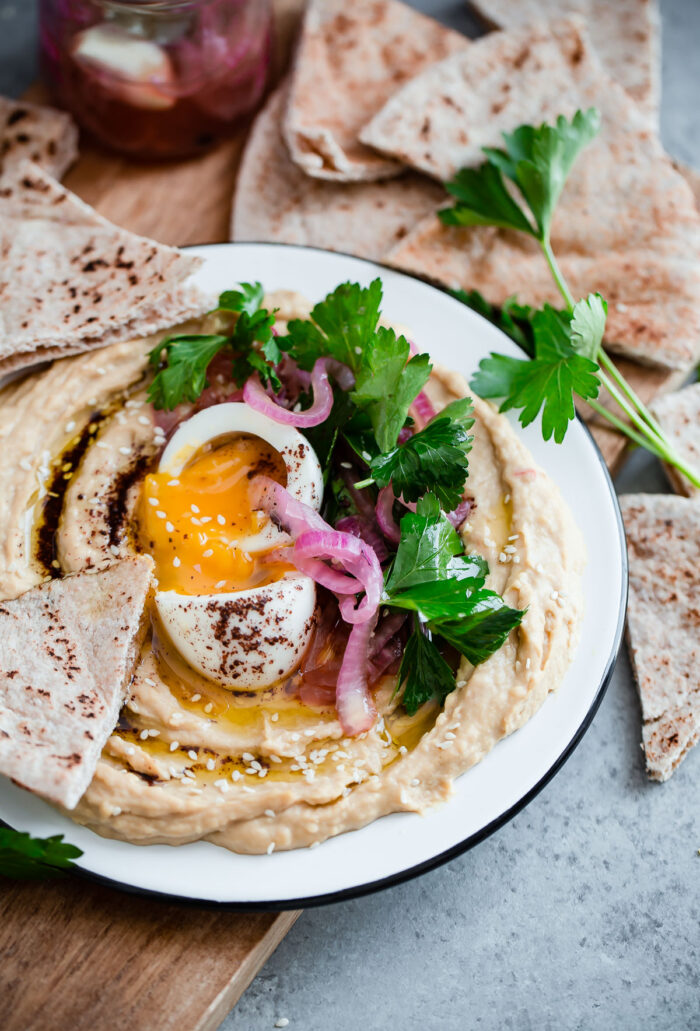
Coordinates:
22 856
434 459
182 361
568 358
446 590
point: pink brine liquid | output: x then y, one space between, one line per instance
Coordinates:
157 78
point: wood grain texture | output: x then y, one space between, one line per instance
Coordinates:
75 956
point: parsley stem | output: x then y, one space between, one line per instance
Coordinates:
561 283
623 427
364 483
605 362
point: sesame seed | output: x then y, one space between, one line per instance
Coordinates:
509 549
174 745
346 465
270 850
554 595
116 810
192 754
143 735
403 750
196 697
176 562
169 527
275 759
415 782
131 750
528 663
444 744
153 501
195 509
220 520
204 520
144 420
70 426
366 455
236 775
208 553
211 764
208 707
161 514
449 736
270 813
149 681
219 584
173 483
125 450
514 537
275 716
154 733
195 521
506 499
247 757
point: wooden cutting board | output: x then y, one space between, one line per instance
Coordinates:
75 955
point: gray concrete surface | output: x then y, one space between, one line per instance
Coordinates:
584 912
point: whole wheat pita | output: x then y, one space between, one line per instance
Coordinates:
625 34
71 281
624 208
663 623
67 653
679 415
276 201
350 59
43 135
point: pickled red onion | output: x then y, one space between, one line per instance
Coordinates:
254 394
353 700
385 515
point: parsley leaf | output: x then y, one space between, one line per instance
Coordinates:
483 200
428 544
248 298
249 330
432 460
29 858
182 361
184 375
341 327
425 672
447 592
588 325
539 159
387 384
482 629
548 381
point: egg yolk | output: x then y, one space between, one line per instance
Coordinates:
191 523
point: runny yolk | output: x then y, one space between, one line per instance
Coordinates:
191 523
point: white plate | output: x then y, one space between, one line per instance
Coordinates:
401 845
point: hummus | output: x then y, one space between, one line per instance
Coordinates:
261 771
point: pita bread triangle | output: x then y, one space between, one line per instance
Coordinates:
679 415
626 223
350 59
625 34
275 200
42 134
663 623
71 281
67 653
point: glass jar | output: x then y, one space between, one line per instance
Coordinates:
156 78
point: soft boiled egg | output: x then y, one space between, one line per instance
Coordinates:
233 615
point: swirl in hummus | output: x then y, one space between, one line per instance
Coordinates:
256 770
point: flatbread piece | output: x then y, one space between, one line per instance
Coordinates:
67 653
71 281
349 60
41 134
663 623
625 34
275 200
626 223
679 415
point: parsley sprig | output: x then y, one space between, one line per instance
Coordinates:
345 326
22 856
182 361
445 590
568 359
